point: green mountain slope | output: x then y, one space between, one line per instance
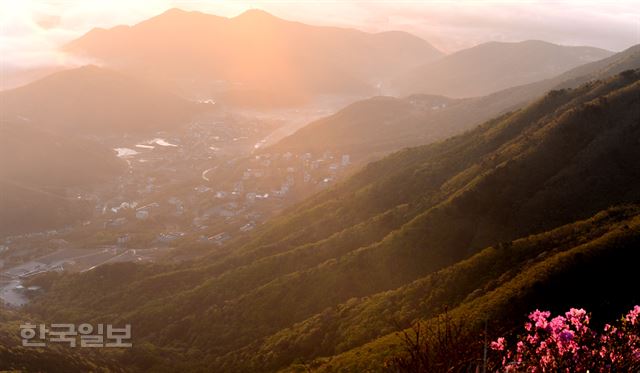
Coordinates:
588 264
53 358
377 126
562 158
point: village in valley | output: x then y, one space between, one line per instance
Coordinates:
185 194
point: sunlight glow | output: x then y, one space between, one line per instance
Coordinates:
33 30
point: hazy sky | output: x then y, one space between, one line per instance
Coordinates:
32 30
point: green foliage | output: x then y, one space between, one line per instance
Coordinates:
410 234
53 358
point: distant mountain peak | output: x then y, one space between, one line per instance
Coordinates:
175 11
178 13
303 59
496 65
255 14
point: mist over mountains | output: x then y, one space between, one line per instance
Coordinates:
94 100
398 220
254 54
493 66
205 183
382 124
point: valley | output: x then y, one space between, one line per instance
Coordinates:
335 187
203 186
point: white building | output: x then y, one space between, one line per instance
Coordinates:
346 159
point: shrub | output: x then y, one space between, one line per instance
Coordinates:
567 344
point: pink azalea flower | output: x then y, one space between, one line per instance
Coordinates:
567 344
498 345
632 316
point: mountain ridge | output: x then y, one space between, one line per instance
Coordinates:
427 118
97 101
38 167
493 66
523 173
297 61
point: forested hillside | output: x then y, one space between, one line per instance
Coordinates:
380 125
397 242
587 264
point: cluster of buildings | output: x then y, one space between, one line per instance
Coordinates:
164 197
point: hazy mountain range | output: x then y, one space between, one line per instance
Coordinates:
389 245
382 124
38 165
507 177
254 54
258 59
95 101
494 66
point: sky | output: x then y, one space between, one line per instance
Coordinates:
32 31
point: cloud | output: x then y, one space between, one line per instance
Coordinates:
460 24
32 32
